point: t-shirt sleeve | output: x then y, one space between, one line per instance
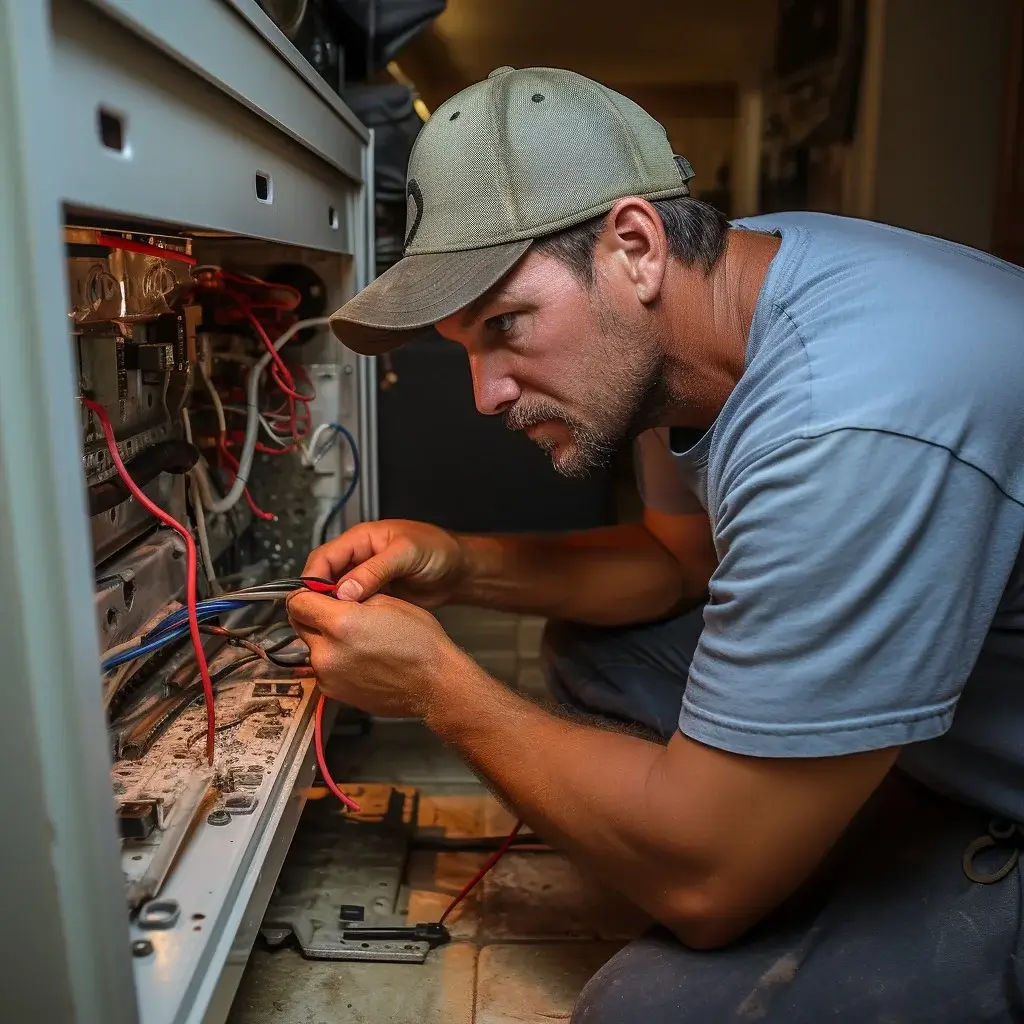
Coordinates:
662 485
859 573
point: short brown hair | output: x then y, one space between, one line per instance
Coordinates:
695 232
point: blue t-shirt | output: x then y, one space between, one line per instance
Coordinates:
865 486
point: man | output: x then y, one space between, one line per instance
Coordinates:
819 626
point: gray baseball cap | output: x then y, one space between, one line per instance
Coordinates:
520 155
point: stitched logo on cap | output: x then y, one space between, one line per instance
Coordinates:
413 210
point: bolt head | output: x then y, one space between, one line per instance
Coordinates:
218 818
142 947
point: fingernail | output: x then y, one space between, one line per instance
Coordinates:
350 590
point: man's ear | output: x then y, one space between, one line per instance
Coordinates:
634 236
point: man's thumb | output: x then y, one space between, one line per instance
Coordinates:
366 579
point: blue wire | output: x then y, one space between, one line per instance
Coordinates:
343 500
172 628
206 610
146 648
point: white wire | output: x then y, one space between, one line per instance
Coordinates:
252 423
218 408
197 504
281 442
310 454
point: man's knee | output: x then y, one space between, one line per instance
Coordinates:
644 983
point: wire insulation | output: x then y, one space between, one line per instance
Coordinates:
318 740
191 565
479 876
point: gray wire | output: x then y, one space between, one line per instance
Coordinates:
252 422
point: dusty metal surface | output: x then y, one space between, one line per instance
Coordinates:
336 862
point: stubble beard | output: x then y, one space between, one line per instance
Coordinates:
628 397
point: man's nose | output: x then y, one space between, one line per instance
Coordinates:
494 390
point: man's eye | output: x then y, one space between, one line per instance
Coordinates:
503 323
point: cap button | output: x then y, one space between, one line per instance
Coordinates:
500 71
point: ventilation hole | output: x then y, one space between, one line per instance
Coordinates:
264 187
455 115
128 595
332 218
111 129
537 98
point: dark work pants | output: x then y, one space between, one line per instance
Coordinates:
890 931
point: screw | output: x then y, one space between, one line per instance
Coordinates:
218 818
142 947
347 370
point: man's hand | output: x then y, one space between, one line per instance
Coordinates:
384 656
422 564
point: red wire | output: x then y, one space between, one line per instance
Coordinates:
318 740
113 242
233 465
191 565
479 876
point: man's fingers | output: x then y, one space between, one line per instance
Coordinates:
330 560
372 575
316 613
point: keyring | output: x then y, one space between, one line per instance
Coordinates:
987 843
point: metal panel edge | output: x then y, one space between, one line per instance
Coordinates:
191 152
244 54
60 879
366 271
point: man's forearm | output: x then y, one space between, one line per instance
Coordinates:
593 793
606 577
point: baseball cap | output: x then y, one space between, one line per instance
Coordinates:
518 156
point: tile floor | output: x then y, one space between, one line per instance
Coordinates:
524 943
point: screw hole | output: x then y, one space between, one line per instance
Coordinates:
198 917
537 98
111 131
112 618
128 595
455 115
149 400
332 218
113 515
264 187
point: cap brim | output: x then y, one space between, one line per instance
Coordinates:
418 291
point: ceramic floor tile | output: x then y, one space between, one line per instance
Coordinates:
530 896
433 880
284 988
480 628
461 815
535 984
404 753
531 629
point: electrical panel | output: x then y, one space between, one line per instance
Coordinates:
190 421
